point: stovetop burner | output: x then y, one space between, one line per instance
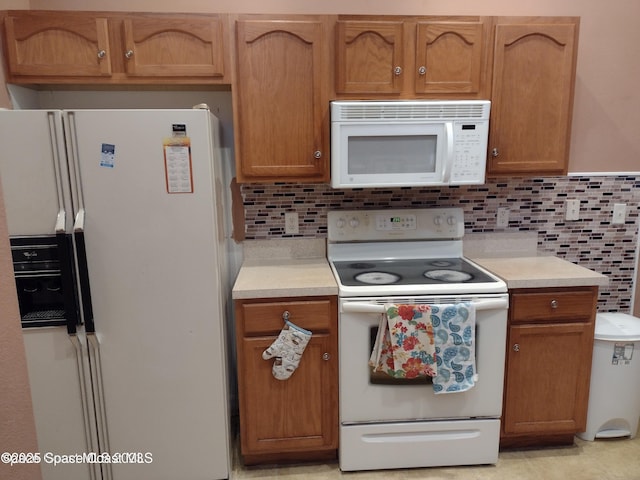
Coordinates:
449 276
377 278
410 272
440 263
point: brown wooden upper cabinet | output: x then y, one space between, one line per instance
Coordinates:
50 44
94 47
281 104
532 96
176 46
409 57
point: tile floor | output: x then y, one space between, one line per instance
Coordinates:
611 459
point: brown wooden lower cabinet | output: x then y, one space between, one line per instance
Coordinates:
548 365
293 419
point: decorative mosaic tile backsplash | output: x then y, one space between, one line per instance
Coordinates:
535 204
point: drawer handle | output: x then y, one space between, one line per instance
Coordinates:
326 356
286 315
516 347
554 303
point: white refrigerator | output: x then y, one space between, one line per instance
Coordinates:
141 373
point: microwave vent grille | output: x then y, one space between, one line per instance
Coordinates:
408 111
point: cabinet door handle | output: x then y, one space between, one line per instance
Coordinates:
317 154
101 53
516 347
554 303
286 315
422 70
495 153
397 71
326 356
128 53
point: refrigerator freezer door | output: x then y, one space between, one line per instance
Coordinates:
33 171
153 269
59 401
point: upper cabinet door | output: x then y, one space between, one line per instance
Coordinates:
176 46
532 100
57 44
370 57
449 56
281 105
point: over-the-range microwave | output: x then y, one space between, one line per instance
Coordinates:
408 143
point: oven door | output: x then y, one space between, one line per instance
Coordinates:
366 399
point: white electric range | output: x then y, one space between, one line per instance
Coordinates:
412 256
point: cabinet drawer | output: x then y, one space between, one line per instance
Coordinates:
266 318
553 306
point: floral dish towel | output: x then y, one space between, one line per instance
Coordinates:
405 346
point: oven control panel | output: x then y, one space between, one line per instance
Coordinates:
396 222
392 224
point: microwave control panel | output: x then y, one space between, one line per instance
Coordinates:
470 151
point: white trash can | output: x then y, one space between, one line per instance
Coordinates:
614 397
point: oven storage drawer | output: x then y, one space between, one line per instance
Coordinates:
419 444
265 317
552 305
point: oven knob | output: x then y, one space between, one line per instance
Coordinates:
354 222
437 220
451 220
341 223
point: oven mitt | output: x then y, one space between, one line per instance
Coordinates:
287 350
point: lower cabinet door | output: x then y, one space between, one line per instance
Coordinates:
547 384
293 415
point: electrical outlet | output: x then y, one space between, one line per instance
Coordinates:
572 210
619 213
291 223
502 218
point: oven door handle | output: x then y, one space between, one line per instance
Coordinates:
356 307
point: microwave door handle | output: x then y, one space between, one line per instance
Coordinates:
355 307
446 174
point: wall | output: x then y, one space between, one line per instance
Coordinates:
607 105
17 427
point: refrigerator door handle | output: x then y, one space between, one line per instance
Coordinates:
70 300
98 397
61 221
60 169
91 436
83 272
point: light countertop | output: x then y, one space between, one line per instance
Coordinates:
284 278
300 268
541 272
284 268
